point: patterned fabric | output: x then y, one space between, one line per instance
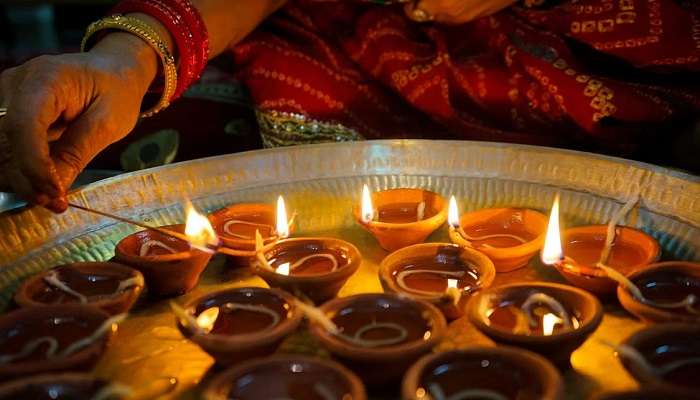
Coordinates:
604 73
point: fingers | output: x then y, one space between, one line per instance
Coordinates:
453 11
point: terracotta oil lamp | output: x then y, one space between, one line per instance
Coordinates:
483 373
53 338
670 293
66 386
315 268
171 266
108 286
400 217
237 225
664 356
441 273
646 394
379 335
289 377
233 325
510 237
547 318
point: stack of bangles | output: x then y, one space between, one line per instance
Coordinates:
188 31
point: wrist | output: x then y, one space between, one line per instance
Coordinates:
137 57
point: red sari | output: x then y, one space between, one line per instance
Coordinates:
594 73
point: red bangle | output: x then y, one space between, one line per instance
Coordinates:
185 25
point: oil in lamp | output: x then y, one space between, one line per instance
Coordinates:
443 274
400 217
233 325
510 237
109 286
171 266
622 249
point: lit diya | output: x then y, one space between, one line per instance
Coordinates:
109 286
667 292
665 356
400 217
593 252
237 324
289 377
441 273
236 226
170 265
548 318
510 237
66 386
490 373
313 267
53 338
378 335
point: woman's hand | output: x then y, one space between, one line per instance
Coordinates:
63 110
454 11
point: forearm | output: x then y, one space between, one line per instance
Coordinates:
229 21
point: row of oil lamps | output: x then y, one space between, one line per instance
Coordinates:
378 336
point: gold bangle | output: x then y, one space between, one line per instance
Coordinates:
149 35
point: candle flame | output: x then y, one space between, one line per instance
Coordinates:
367 208
549 321
282 222
207 318
552 252
283 269
453 213
453 283
198 229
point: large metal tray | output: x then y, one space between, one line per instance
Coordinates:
322 182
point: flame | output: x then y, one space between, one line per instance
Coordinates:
549 321
283 269
367 209
552 252
207 318
198 229
282 222
453 213
453 283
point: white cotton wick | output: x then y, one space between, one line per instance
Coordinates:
113 391
260 252
462 238
97 334
612 225
323 391
358 339
254 308
318 316
635 357
149 244
30 347
52 279
402 275
481 394
229 223
127 283
551 302
301 261
420 211
187 319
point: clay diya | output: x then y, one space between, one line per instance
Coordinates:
108 286
646 394
53 338
67 386
670 292
665 356
311 267
289 377
170 266
238 324
510 237
441 273
547 318
379 335
483 373
400 217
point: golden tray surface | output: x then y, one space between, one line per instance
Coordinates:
321 183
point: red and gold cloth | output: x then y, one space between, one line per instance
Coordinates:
608 73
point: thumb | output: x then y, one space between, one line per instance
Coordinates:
86 137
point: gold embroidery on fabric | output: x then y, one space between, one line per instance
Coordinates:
286 129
